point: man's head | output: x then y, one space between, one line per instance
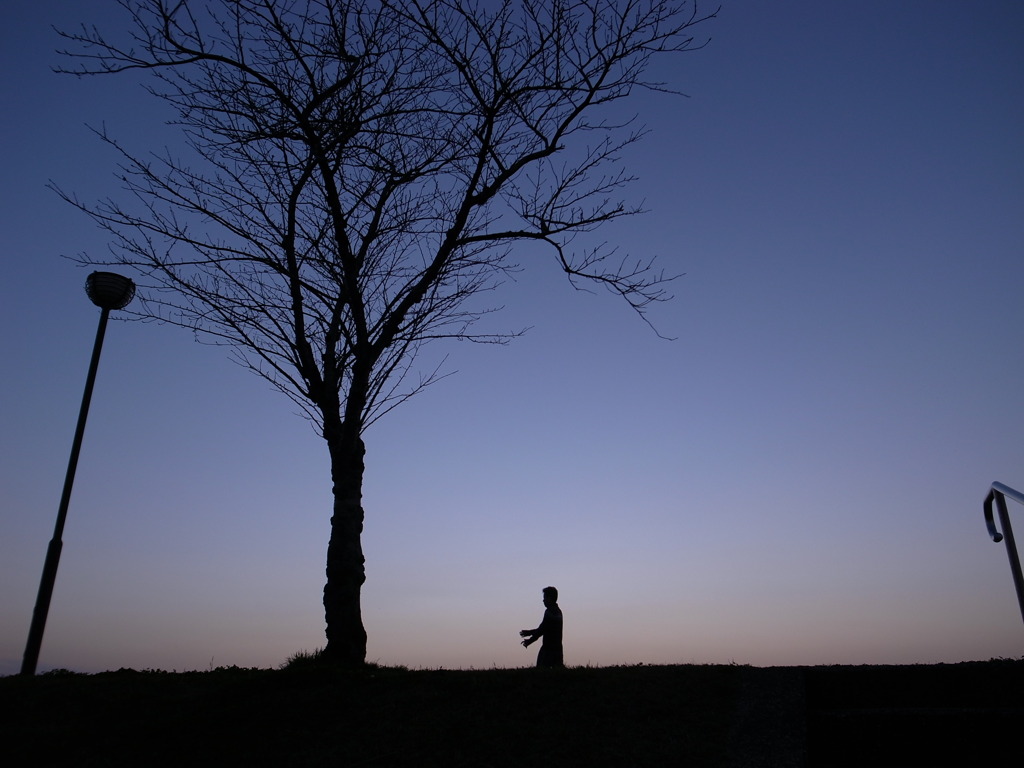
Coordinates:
550 595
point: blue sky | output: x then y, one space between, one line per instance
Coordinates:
797 478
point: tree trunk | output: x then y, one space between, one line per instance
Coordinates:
346 637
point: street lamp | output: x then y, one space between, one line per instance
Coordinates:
107 291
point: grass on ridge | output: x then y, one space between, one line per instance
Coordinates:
311 715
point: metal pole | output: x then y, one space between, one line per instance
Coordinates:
42 609
1011 549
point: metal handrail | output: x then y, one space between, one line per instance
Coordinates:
998 494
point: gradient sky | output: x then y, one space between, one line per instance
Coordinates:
797 478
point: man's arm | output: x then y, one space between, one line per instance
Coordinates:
535 634
531 635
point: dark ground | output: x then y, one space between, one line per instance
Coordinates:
944 715
731 716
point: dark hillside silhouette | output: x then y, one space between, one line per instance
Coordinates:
697 716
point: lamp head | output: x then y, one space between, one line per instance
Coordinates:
108 290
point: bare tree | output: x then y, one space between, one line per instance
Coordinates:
355 175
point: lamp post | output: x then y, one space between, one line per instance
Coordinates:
107 291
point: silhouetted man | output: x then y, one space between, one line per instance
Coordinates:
550 629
